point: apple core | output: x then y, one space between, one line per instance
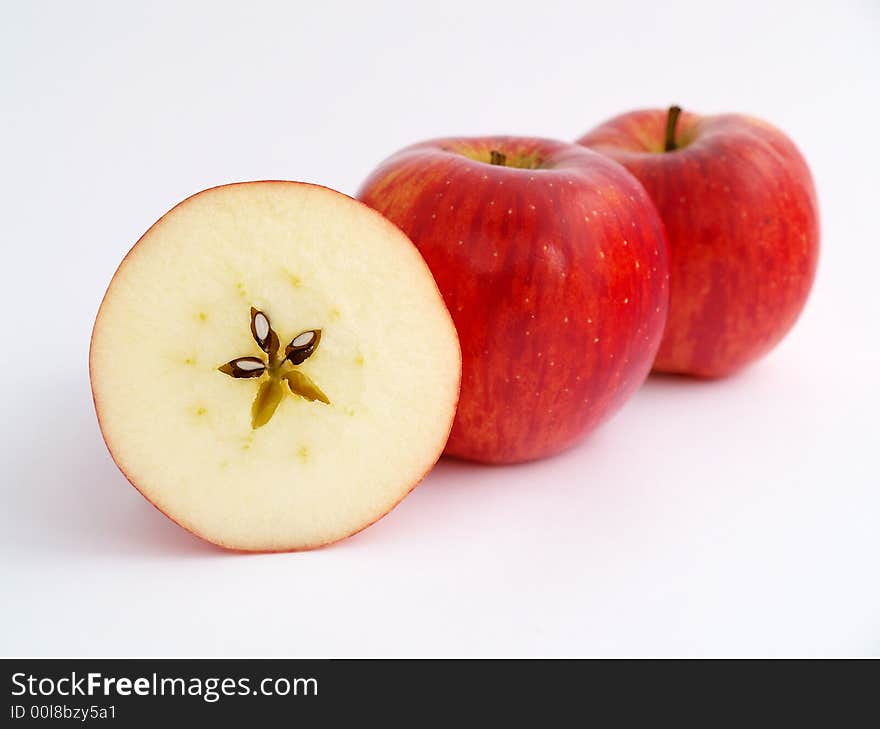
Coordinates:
269 395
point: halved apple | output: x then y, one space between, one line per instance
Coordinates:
273 366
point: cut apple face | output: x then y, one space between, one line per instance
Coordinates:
273 366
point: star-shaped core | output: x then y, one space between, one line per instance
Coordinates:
301 347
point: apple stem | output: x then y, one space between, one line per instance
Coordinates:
671 122
497 158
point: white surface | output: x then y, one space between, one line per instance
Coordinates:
738 517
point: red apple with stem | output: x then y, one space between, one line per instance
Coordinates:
553 263
740 212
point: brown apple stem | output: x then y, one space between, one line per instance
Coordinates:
497 158
671 122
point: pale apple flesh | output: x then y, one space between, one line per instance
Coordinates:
359 390
739 207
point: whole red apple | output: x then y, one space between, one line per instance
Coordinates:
553 263
739 207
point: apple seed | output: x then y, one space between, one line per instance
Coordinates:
263 333
302 346
244 367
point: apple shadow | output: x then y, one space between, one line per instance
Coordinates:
671 380
456 489
65 494
659 385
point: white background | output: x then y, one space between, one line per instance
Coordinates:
737 517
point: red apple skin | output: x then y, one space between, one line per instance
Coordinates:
739 207
556 278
